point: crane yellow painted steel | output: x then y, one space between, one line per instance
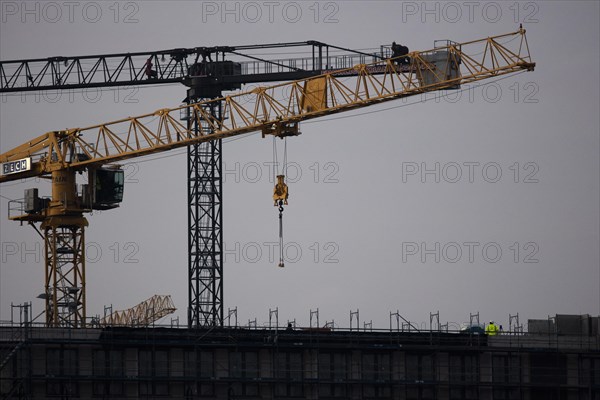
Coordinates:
274 110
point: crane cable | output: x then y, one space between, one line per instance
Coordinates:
280 193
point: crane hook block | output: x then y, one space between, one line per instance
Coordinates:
281 129
280 193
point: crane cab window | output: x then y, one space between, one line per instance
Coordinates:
108 188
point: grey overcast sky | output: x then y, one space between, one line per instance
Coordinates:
361 235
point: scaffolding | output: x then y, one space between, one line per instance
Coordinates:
291 361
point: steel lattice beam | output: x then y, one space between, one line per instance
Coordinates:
143 314
65 274
205 222
155 67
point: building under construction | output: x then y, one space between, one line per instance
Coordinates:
558 358
70 356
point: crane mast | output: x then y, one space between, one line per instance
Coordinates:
274 110
205 220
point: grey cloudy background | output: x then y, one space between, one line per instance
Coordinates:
367 232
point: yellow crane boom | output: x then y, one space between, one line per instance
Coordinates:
274 110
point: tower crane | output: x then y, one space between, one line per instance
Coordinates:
273 110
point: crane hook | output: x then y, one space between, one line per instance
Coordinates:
280 197
281 263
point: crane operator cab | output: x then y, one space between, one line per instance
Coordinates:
215 68
107 188
208 79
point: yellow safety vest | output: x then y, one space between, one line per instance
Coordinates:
491 329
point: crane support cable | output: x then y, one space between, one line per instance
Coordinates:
278 107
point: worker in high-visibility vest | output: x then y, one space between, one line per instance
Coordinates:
491 329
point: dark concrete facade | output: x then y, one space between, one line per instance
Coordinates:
165 363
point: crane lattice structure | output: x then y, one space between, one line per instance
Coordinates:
143 314
273 110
